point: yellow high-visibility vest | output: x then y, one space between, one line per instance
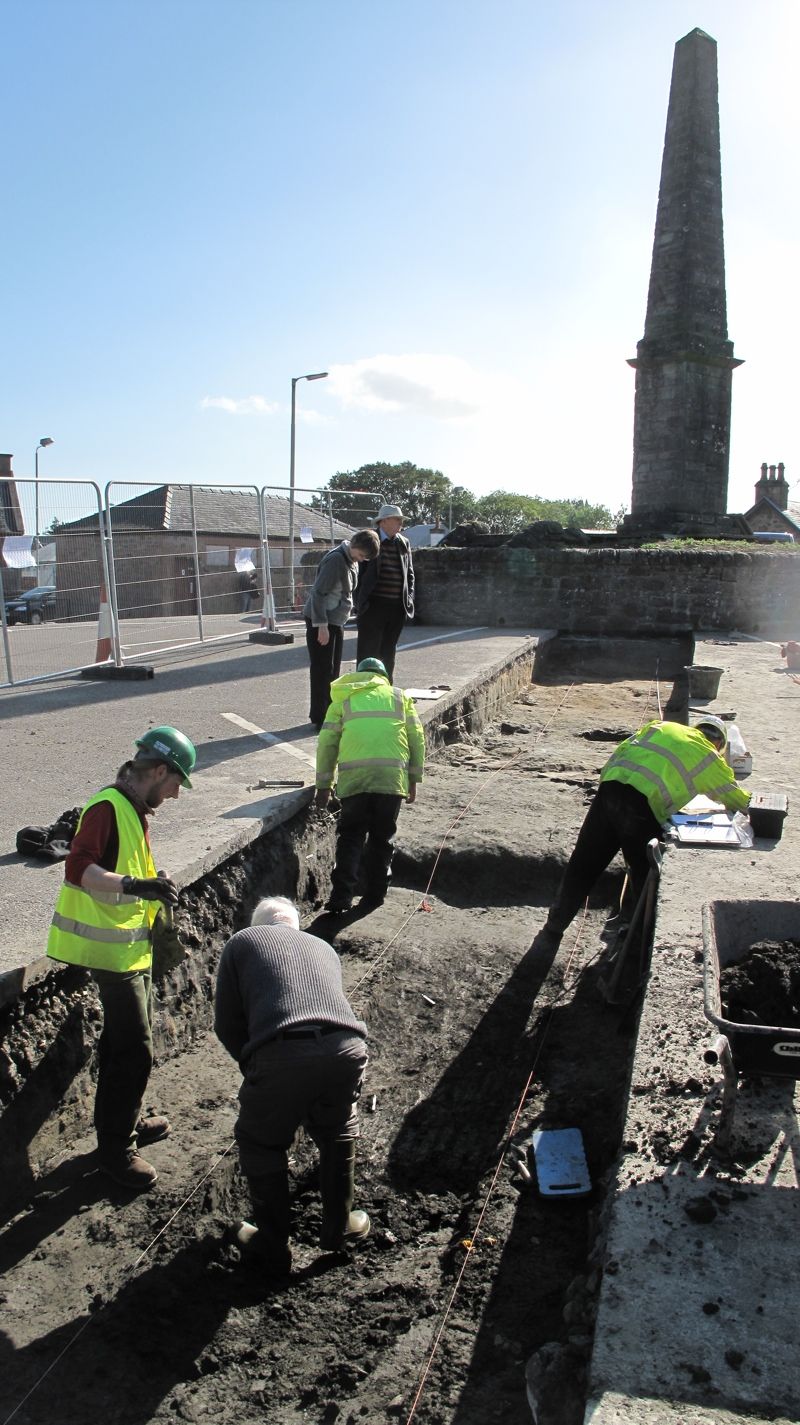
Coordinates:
669 764
108 931
374 734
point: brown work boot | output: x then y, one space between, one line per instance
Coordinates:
152 1129
126 1167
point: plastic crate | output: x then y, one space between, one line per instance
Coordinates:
768 812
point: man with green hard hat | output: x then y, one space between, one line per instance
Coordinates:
373 735
103 920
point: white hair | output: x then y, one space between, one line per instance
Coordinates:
276 910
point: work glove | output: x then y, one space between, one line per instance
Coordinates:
322 797
155 888
168 950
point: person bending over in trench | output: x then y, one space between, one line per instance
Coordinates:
650 776
281 1012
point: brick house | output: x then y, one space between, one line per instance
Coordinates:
154 551
773 510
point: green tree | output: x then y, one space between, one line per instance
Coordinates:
423 495
506 513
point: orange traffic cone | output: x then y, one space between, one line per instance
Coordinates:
104 628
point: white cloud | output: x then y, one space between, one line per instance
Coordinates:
310 417
444 387
244 406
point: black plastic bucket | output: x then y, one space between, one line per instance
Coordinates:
703 681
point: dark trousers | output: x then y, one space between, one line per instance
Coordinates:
124 1054
379 628
619 819
326 663
371 818
315 1082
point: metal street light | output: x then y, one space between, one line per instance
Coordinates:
45 441
312 376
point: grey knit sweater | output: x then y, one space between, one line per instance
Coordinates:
271 977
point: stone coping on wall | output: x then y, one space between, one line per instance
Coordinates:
614 591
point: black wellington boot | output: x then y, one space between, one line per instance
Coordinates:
340 1223
265 1241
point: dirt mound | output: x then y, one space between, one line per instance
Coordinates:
764 987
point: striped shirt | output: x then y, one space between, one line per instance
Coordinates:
389 583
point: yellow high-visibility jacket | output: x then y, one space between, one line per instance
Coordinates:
372 731
669 764
108 931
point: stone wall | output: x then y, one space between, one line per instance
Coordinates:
612 591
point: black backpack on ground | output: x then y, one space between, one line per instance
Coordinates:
49 843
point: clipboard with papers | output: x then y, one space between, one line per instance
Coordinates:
704 823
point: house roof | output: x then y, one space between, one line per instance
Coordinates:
216 511
790 516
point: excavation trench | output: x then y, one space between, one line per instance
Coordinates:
474 1041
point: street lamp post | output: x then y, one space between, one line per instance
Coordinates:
311 376
45 441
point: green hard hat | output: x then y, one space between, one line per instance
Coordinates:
371 665
167 744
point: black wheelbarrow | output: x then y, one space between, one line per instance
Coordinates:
730 930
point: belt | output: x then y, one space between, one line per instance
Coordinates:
310 1031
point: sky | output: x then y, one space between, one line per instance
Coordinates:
448 205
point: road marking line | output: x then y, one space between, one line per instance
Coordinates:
270 739
460 633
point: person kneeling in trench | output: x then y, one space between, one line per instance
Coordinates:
282 1013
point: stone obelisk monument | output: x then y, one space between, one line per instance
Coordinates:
684 364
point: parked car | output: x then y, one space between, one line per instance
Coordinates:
32 606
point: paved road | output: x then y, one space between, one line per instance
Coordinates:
48 649
62 740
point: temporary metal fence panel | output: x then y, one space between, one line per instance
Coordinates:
151 569
52 574
187 565
301 525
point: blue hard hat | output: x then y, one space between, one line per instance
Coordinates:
372 665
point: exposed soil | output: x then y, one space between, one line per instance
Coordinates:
764 986
138 1311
